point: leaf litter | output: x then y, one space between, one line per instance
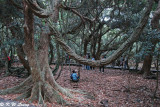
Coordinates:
120 88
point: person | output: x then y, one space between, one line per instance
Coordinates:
102 67
69 59
121 62
113 64
66 58
74 76
84 66
125 63
9 62
87 66
93 59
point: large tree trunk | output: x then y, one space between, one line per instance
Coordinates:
44 84
41 85
147 65
148 61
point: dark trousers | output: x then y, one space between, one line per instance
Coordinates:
102 67
75 80
87 67
9 64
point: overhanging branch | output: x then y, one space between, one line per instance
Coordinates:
83 18
137 32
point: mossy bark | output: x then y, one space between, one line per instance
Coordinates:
40 85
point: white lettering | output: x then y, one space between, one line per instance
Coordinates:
7 104
1 104
24 105
13 104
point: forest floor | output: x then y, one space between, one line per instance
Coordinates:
120 88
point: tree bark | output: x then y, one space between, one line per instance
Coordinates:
43 85
148 61
147 65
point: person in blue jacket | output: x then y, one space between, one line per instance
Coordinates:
74 76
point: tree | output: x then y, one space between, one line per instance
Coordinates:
99 20
148 55
41 84
137 32
156 17
153 39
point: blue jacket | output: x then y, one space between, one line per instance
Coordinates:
74 76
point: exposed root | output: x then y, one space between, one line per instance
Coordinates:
22 87
52 95
34 94
78 91
42 91
84 93
66 92
24 95
57 87
40 99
